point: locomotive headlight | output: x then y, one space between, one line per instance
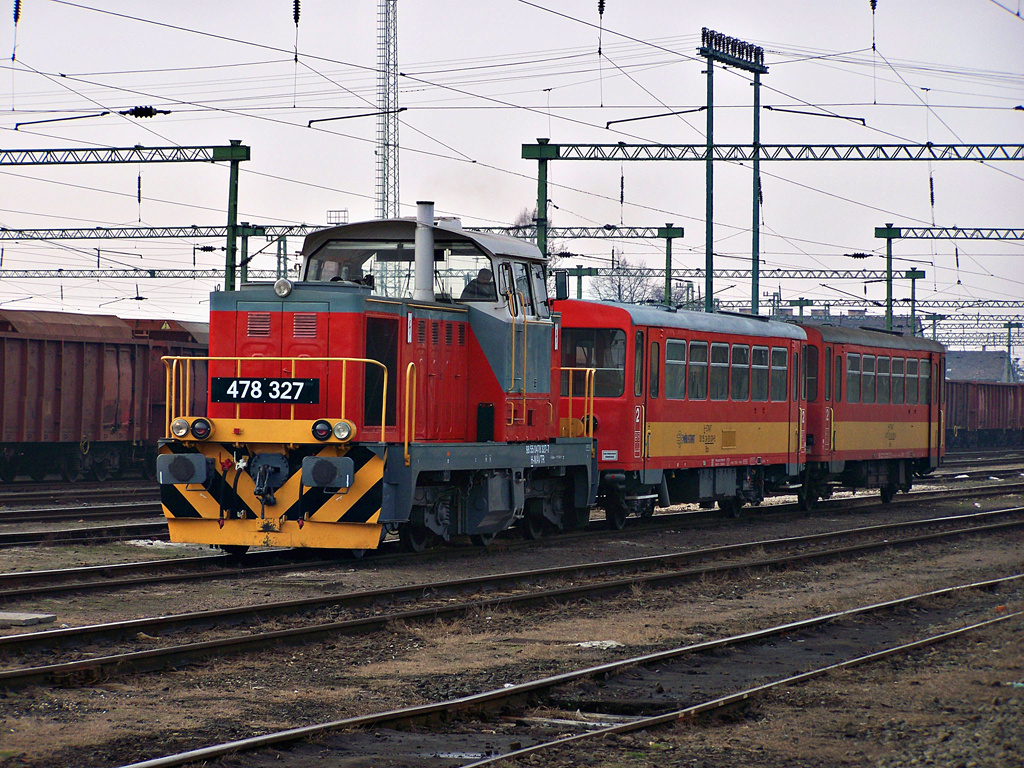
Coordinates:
179 428
201 429
343 430
322 429
283 287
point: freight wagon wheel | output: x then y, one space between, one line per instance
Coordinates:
888 493
8 471
101 470
71 467
482 539
414 538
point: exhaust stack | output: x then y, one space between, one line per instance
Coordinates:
424 252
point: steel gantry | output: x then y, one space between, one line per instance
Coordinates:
235 153
544 151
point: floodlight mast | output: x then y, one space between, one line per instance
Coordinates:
742 55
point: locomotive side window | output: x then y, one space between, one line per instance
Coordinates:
911 381
811 379
638 365
882 380
897 380
853 378
697 381
759 374
655 372
926 387
601 348
675 369
740 389
867 379
540 290
719 372
779 374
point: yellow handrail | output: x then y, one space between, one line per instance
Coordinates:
410 372
588 397
180 371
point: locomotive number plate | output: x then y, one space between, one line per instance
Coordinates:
227 390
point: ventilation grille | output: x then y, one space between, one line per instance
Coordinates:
304 325
462 334
421 331
435 333
448 333
258 325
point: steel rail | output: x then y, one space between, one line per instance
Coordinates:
490 699
97 534
154 659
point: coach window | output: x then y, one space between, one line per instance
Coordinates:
897 380
719 372
603 349
811 379
798 375
655 372
759 374
882 380
780 356
740 373
675 369
853 378
697 381
911 381
638 365
828 374
926 386
867 379
838 379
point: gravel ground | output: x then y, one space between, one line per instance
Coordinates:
955 705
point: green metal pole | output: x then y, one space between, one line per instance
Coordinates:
668 269
542 201
756 226
243 267
709 191
229 266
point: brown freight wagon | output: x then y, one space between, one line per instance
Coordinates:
984 414
83 395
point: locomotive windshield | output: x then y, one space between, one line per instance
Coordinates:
461 270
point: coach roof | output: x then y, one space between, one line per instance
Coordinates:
705 322
870 338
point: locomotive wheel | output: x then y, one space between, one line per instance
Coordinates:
413 537
888 493
354 554
646 510
235 551
532 527
482 539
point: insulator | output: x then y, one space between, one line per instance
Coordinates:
295 13
17 11
140 112
874 4
600 7
207 248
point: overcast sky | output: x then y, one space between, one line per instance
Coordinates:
482 78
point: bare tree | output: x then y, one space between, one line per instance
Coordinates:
630 284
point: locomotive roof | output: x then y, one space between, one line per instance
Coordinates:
445 231
869 338
707 322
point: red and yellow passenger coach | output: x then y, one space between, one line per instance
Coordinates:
407 382
689 406
874 409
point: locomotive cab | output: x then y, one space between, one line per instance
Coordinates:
406 382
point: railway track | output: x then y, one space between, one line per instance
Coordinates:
34 584
554 714
372 610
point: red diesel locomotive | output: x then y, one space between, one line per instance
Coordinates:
381 392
